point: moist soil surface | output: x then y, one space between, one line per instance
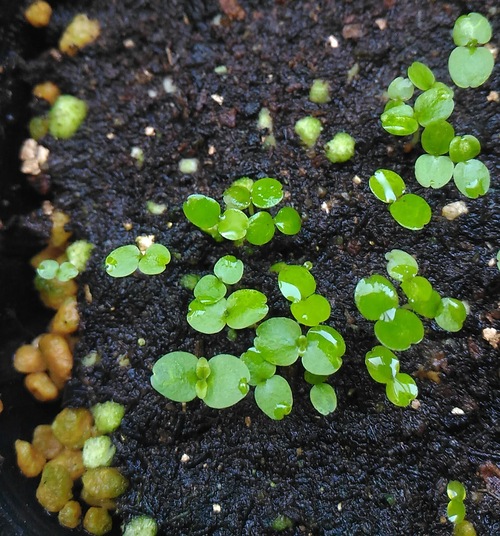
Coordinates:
370 468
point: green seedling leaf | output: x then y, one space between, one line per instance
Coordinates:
296 283
174 376
323 398
312 310
417 289
202 211
421 76
398 331
428 308
48 269
401 89
314 379
401 265
451 314
278 340
464 148
382 364
260 369
209 289
288 221
470 67
267 193
374 296
233 224
66 272
399 120
229 269
436 137
386 185
324 351
472 178
123 261
237 196
154 260
227 383
471 30
260 228
434 104
455 511
207 318
411 212
245 307
274 397
401 390
433 171
455 490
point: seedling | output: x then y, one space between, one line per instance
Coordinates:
340 148
409 210
398 327
220 382
210 311
234 224
50 269
125 260
455 510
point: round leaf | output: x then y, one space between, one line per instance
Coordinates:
401 89
417 289
323 398
400 330
435 103
401 265
66 271
233 224
123 261
229 269
471 29
174 376
437 136
48 269
228 381
207 318
433 171
455 490
209 289
311 311
260 369
472 178
455 511
277 340
245 307
274 397
401 390
421 76
470 67
237 196
382 364
288 221
386 185
374 296
451 314
324 350
464 148
428 308
260 228
266 193
296 283
154 260
202 211
411 211
399 120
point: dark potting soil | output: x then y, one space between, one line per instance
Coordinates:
369 468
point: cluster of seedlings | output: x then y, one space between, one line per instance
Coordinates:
446 155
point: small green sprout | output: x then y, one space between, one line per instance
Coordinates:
320 92
323 398
340 148
258 227
433 171
274 397
107 416
421 76
78 254
125 260
472 178
66 116
308 129
399 119
455 509
210 311
220 382
434 104
98 452
451 314
141 526
470 65
50 269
